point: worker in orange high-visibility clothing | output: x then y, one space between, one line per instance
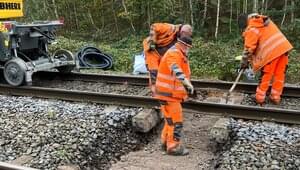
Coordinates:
172 87
267 49
162 37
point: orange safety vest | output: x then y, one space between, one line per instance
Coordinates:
265 41
167 86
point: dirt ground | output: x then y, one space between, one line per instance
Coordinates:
196 138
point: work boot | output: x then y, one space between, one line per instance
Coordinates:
260 102
274 100
163 147
180 150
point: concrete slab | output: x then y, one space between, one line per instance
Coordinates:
234 98
219 132
145 120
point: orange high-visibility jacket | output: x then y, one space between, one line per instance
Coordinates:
152 57
264 41
168 87
165 37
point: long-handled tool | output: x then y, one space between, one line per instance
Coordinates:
234 84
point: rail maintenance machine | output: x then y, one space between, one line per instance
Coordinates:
24 47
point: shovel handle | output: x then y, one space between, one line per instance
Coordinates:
236 80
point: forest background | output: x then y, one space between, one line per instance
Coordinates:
119 26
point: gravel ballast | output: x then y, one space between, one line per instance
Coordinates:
261 145
94 87
54 132
286 102
127 89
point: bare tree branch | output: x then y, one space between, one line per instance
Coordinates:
130 20
217 20
284 14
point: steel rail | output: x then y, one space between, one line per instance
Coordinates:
237 111
289 91
7 166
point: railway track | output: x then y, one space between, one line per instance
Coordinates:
237 111
7 166
289 91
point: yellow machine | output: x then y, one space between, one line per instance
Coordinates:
24 46
11 9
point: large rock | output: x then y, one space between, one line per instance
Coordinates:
145 120
220 131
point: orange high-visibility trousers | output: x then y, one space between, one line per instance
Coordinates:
171 133
275 69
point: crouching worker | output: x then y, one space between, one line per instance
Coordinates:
172 87
162 36
267 49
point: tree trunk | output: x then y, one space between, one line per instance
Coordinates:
292 11
115 17
266 6
45 6
262 6
92 20
149 13
76 16
254 10
238 10
102 15
55 9
245 4
204 13
217 20
230 19
130 19
191 11
284 14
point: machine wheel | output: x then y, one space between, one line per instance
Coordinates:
64 55
14 72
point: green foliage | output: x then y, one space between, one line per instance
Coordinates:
69 44
208 59
293 74
214 59
293 33
113 20
109 25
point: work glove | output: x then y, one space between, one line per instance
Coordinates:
244 63
245 60
188 86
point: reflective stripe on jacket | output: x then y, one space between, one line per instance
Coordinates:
265 41
168 87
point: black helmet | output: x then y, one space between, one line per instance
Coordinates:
186 40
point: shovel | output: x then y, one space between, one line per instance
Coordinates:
234 84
